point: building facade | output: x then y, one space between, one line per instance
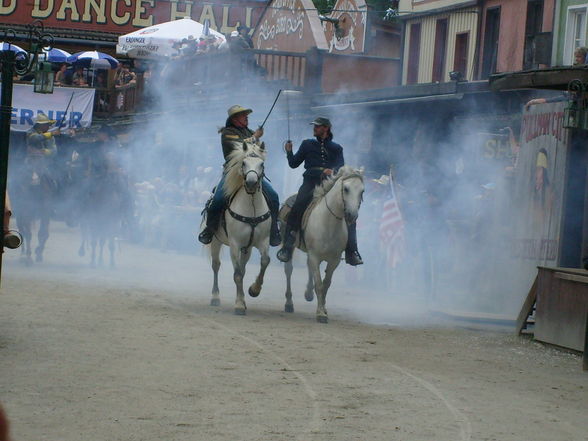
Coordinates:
440 37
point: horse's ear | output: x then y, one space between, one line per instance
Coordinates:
244 146
360 170
262 146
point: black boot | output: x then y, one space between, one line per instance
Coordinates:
207 234
275 238
352 256
285 253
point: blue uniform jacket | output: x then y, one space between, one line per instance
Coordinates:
317 155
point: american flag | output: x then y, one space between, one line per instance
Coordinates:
392 229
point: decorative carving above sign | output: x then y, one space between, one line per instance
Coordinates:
348 34
289 25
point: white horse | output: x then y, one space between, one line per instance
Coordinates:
247 221
335 205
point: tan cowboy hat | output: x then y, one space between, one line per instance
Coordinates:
41 118
233 110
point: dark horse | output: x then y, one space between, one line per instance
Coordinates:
103 211
33 196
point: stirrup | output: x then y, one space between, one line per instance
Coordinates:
353 258
285 254
206 236
275 239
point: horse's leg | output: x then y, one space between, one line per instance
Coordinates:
314 268
288 268
255 288
101 252
239 260
84 234
93 242
215 248
25 228
331 267
309 293
42 237
111 245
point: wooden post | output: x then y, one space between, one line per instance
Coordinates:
527 307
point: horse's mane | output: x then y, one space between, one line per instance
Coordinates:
233 177
344 172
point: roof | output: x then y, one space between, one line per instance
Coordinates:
556 78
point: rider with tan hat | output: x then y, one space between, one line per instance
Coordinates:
233 134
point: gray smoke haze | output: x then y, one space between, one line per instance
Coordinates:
455 202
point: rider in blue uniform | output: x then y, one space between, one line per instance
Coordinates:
233 134
322 157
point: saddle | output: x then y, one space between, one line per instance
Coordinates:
285 212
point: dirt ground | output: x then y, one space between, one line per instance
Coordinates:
137 353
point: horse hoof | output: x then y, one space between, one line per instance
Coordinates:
39 258
309 296
214 302
322 319
252 293
81 252
289 308
239 311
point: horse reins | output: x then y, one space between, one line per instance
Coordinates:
252 221
342 198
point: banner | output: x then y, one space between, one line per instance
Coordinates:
26 104
539 184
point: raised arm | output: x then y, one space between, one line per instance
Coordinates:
294 160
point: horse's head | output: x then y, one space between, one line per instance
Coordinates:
252 167
352 189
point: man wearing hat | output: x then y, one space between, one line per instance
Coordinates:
41 148
322 157
233 134
244 33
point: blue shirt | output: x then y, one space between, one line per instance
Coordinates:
317 155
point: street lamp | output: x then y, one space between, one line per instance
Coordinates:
44 77
21 63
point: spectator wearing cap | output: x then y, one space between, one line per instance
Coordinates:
244 33
322 157
233 134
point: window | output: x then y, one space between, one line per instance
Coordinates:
440 50
575 32
491 35
414 51
533 27
460 61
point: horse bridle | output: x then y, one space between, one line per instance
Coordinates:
252 221
345 212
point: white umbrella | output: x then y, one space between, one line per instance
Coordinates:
158 40
93 59
56 55
10 47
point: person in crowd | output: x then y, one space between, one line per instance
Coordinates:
79 77
322 157
580 58
233 134
244 33
60 75
125 77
